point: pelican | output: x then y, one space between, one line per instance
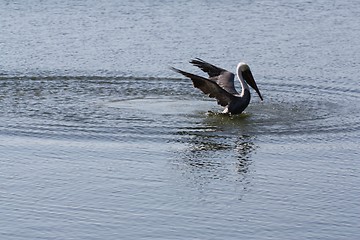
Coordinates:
220 85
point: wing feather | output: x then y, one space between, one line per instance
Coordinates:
211 88
210 69
222 77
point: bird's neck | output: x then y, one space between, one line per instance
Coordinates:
244 85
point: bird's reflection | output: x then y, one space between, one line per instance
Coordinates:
215 150
244 147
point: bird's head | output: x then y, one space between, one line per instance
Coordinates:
243 70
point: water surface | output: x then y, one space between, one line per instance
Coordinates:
100 140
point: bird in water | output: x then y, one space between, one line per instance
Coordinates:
220 85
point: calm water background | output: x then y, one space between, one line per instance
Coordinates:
100 140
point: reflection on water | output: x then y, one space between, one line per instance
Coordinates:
216 152
243 149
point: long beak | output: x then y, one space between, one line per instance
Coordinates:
247 75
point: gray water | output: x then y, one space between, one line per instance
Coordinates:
100 140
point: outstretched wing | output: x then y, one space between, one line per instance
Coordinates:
222 77
211 88
210 69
